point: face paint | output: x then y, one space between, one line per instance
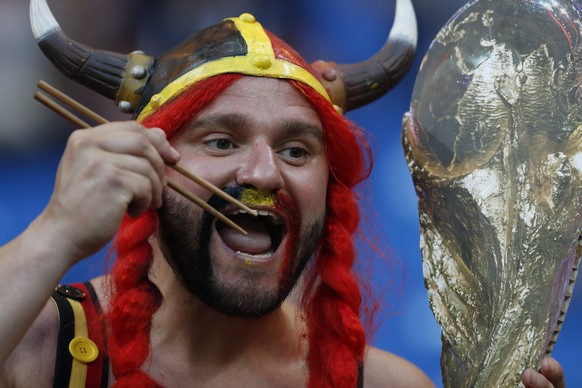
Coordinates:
219 276
254 197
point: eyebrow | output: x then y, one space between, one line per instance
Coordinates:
290 127
227 120
299 128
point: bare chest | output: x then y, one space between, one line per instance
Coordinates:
272 373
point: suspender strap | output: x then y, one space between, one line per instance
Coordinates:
99 369
66 334
79 361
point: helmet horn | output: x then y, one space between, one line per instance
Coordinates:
354 85
119 77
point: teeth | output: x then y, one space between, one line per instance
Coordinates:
275 220
260 256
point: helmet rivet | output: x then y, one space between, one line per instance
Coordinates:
262 61
156 100
124 106
138 72
247 18
329 75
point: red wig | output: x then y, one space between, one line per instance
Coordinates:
332 299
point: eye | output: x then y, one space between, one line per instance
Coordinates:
294 154
220 144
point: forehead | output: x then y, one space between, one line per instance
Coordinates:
264 99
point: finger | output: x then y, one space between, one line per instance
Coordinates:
133 143
127 125
141 166
156 136
553 371
135 191
139 193
122 150
120 181
533 379
104 185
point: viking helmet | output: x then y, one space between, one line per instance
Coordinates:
141 83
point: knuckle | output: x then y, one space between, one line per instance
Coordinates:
141 142
151 169
112 177
79 139
158 138
133 125
158 134
159 166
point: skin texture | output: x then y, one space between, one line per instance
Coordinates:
120 167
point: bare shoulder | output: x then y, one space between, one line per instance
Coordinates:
32 363
384 369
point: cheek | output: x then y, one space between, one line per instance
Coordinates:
218 171
311 192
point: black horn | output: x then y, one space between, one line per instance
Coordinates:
354 85
119 77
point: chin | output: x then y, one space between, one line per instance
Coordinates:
237 275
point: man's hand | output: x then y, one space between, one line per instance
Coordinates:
551 375
105 172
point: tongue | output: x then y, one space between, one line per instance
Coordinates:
257 241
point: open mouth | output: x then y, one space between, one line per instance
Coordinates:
265 233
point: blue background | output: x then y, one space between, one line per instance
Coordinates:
32 139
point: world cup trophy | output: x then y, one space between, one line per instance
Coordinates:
493 140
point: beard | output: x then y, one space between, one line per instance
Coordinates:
185 238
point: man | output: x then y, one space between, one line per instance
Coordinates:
190 302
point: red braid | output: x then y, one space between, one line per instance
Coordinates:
332 300
336 336
134 297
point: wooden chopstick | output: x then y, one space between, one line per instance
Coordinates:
49 103
171 183
56 93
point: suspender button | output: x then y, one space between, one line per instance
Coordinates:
83 349
71 292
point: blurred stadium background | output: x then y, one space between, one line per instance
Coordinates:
32 138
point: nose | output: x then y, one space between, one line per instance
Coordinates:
261 170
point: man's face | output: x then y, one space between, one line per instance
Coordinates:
263 140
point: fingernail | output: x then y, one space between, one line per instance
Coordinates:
529 376
160 130
551 364
175 153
